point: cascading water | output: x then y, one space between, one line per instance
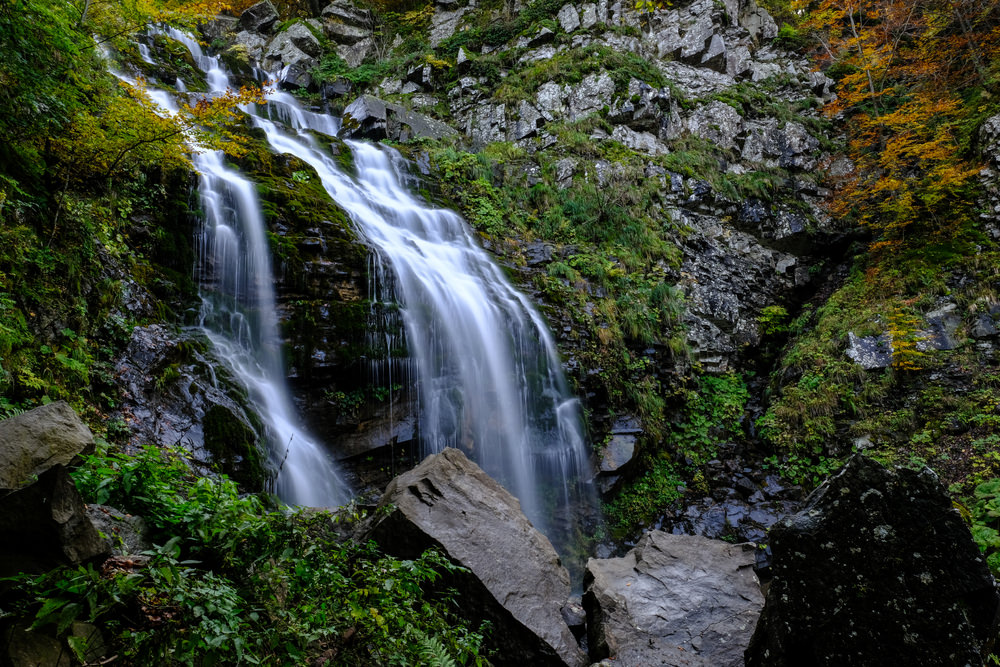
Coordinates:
238 314
487 372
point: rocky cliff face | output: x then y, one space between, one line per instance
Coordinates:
653 179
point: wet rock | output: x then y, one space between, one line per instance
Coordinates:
870 352
221 27
878 568
297 77
33 442
515 578
336 89
259 18
672 600
45 524
176 393
371 118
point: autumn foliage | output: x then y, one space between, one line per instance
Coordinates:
915 78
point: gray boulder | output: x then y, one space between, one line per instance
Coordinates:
33 442
515 578
569 18
125 534
296 48
45 524
259 18
870 352
369 117
590 95
942 329
673 600
250 43
877 569
345 12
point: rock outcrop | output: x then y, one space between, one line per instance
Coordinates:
175 393
371 118
673 600
34 441
515 579
45 524
877 569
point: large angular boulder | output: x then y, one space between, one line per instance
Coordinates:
45 524
34 441
673 600
515 578
259 18
877 569
371 118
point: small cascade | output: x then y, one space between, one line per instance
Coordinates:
238 311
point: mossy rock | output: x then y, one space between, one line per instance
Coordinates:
234 447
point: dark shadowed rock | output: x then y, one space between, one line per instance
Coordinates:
33 442
259 18
371 118
673 600
878 569
515 579
45 524
175 392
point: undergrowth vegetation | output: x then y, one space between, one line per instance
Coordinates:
232 580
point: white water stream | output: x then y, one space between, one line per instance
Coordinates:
239 317
488 375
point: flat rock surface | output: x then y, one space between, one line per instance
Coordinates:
673 600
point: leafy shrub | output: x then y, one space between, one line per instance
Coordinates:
235 582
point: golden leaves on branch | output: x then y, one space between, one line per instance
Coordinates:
902 66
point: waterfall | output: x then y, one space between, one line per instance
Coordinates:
238 311
488 375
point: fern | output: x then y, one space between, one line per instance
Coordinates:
433 653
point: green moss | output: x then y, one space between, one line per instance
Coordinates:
234 447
